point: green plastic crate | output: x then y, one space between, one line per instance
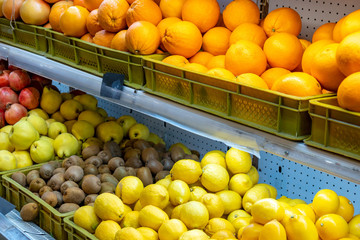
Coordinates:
280 114
29 37
49 219
95 59
75 232
334 129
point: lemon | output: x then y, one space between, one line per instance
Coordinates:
350 237
176 212
171 229
165 182
131 219
194 214
325 201
214 177
272 190
187 170
254 194
236 214
332 226
196 193
179 192
240 183
273 230
299 227
253 174
306 210
346 208
296 201
238 161
230 199
241 222
107 230
168 209
127 209
354 226
267 209
108 206
194 234
251 231
223 234
152 217
217 224
284 199
128 233
129 189
216 151
154 194
148 233
213 157
86 218
213 204
137 206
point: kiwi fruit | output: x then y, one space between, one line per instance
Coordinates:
167 163
155 166
91 184
107 177
177 153
144 174
56 164
56 181
115 162
59 198
113 148
105 156
46 170
36 184
45 189
20 178
73 160
141 144
59 170
133 152
160 147
90 151
107 187
73 195
90 169
196 153
149 154
29 212
104 169
74 173
120 173
50 198
68 207
94 160
161 175
129 143
90 199
32 175
192 156
133 162
67 184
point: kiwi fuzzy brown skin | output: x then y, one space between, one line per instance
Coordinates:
90 151
167 163
160 147
113 148
59 198
105 156
177 153
73 160
55 181
149 154
94 160
161 175
91 184
46 171
36 184
196 153
145 176
32 175
45 189
90 198
73 195
115 162
133 152
90 169
122 172
59 170
141 144
133 162
107 187
67 184
155 166
192 156
29 212
50 198
104 168
68 207
20 178
107 177
74 173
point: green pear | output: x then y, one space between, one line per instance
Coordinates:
185 148
7 161
69 124
39 112
50 140
49 121
58 117
66 96
41 151
38 123
93 141
88 101
70 109
92 117
155 139
66 145
139 131
109 131
6 128
23 159
5 143
55 129
102 112
83 130
50 100
22 135
126 122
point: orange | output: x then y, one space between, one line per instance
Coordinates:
252 80
282 20
310 52
216 40
346 208
87 37
118 42
297 84
73 21
337 30
112 14
283 50
216 62
92 4
221 73
347 54
249 31
203 13
350 24
182 38
163 25
103 38
324 68
240 11
201 58
171 8
348 94
143 10
51 1
55 12
142 37
272 74
176 60
245 57
92 23
80 3
304 43
332 226
220 22
196 67
325 31
47 25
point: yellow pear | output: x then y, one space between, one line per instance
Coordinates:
22 135
66 145
88 101
55 129
5 143
38 123
126 122
58 117
6 128
92 117
23 159
155 139
49 121
139 131
42 150
50 100
66 96
50 140
92 141
102 112
69 124
83 130
39 112
70 109
185 148
7 160
109 131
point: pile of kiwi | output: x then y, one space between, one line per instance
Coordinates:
77 181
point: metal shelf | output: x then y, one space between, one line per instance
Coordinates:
195 121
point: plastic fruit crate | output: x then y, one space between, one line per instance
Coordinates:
95 59
334 129
29 37
75 232
280 114
49 219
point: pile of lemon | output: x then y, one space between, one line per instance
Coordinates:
217 198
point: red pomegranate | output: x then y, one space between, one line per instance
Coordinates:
18 79
7 95
29 97
2 118
14 112
4 78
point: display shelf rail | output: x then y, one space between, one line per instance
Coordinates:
204 124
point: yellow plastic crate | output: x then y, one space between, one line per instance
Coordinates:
75 232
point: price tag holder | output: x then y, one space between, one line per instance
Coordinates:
112 85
